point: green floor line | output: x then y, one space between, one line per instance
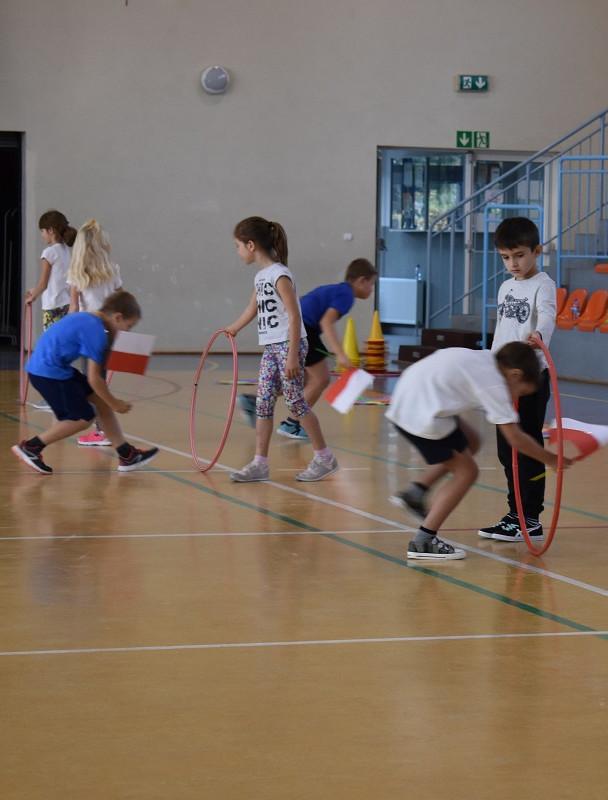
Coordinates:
526 607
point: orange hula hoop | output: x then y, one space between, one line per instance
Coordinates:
205 467
536 551
26 331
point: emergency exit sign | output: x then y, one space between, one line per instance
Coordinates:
473 139
473 83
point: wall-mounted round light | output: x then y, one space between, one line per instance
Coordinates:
215 80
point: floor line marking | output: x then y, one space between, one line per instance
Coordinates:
583 397
213 534
299 643
290 489
386 521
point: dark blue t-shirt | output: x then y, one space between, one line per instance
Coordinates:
334 295
80 334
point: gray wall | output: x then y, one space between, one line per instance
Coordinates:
118 127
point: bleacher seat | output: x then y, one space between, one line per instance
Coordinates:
565 320
601 268
594 313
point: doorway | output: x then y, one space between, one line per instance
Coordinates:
11 153
414 187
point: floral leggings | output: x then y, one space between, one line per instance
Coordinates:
51 315
272 381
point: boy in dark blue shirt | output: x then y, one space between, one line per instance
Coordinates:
75 399
321 309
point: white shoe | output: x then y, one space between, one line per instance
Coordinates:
253 471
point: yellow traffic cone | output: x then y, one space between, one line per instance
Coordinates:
375 333
349 344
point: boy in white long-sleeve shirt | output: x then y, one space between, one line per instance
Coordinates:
526 312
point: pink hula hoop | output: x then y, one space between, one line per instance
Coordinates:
538 551
26 332
200 465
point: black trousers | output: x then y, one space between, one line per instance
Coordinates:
532 410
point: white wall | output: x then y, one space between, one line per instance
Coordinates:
118 127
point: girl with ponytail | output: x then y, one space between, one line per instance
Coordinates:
281 332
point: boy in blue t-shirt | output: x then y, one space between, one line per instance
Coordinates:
321 309
75 399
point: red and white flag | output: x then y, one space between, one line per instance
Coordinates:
342 394
580 438
130 353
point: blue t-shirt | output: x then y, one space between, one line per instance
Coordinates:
80 334
334 295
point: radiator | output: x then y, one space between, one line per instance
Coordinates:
400 300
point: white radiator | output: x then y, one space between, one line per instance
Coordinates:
400 300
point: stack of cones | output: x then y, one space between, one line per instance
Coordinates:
349 343
376 355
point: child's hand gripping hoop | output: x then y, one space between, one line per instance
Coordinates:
202 464
538 551
25 345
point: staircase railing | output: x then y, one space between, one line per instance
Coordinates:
455 239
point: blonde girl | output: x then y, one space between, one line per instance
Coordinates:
58 237
274 301
92 278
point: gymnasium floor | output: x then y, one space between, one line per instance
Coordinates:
167 634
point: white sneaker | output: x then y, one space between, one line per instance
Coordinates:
318 469
251 472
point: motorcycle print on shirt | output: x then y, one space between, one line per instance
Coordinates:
514 308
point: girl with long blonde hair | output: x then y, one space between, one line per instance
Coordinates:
92 278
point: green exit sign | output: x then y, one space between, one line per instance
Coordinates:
473 139
473 83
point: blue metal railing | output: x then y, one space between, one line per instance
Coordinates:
592 210
534 182
487 304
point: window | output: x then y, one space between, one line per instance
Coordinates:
422 188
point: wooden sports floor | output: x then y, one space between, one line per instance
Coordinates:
167 634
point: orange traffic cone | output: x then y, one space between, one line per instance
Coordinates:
375 360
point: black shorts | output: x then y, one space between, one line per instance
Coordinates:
436 451
68 398
316 349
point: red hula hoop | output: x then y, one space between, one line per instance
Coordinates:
26 330
200 465
560 467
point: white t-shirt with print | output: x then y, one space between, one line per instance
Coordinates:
91 298
57 293
525 306
273 319
431 393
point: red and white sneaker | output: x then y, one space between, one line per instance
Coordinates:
94 439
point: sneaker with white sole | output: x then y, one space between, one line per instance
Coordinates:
318 469
292 430
136 459
508 530
31 457
246 404
412 502
435 550
254 471
94 439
